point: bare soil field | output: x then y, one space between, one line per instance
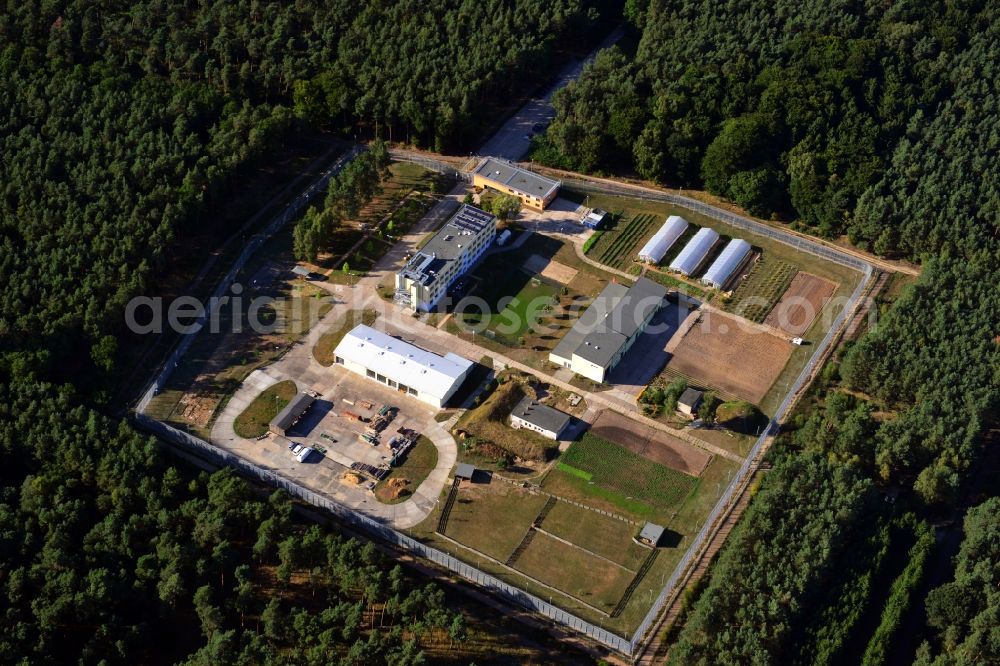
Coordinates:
550 269
650 443
742 360
801 303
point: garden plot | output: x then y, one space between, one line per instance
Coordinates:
622 475
801 304
721 352
617 247
757 293
650 443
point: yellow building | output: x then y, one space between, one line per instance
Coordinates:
534 191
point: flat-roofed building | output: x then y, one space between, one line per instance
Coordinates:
534 191
595 218
402 366
604 333
448 255
532 415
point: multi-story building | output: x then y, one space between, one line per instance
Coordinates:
534 191
452 251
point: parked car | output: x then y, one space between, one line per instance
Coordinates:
298 447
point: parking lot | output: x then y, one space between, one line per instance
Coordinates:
344 465
648 354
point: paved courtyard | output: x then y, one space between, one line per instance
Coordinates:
327 426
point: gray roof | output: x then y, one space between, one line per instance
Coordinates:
690 397
543 416
651 532
295 408
465 471
516 178
301 270
629 312
590 319
446 245
600 346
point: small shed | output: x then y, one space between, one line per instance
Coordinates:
503 237
689 402
595 218
650 535
465 471
293 411
302 271
541 418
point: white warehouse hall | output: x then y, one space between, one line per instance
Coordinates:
657 246
407 368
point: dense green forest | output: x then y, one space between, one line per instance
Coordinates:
965 613
829 113
112 554
123 126
122 122
901 415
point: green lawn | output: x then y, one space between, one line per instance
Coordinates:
327 343
606 536
420 461
253 421
493 519
515 300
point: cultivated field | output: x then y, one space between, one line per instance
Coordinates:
740 360
801 303
757 293
650 443
623 238
622 473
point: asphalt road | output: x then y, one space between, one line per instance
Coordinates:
512 140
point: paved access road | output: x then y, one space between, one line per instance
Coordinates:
511 141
